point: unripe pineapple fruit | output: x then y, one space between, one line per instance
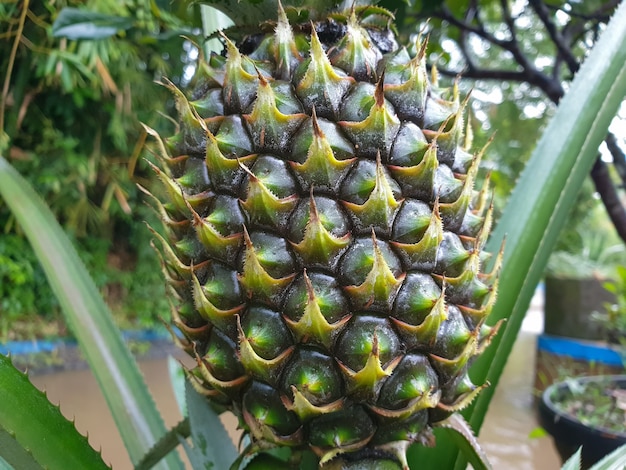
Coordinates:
325 238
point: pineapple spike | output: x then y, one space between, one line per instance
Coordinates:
428 399
379 92
224 319
423 253
377 131
492 332
313 323
221 246
321 167
255 279
381 206
434 76
463 401
483 235
239 85
162 154
262 204
497 265
318 244
305 409
380 285
322 86
285 45
270 128
266 369
221 385
160 210
418 180
368 379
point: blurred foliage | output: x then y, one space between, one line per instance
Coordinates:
70 111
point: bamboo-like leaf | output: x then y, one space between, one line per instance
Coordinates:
32 430
74 23
542 199
89 318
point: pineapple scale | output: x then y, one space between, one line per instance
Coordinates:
325 241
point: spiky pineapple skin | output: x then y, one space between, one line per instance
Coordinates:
325 240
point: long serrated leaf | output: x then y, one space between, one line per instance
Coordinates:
573 463
12 451
167 444
32 430
177 379
459 432
212 447
541 201
74 23
88 317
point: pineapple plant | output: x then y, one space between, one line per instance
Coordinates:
324 247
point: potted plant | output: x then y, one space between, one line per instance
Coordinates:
591 411
583 260
588 412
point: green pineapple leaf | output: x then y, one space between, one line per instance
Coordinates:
573 463
32 429
212 447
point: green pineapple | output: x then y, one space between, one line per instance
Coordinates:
325 237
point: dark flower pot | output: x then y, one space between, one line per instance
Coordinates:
569 433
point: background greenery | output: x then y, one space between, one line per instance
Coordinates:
71 109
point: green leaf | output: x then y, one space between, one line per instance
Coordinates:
537 433
212 447
73 23
458 431
573 463
541 201
33 430
4 465
177 379
167 444
89 318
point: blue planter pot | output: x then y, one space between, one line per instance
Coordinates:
569 434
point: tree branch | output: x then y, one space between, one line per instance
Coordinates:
562 47
605 187
619 159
